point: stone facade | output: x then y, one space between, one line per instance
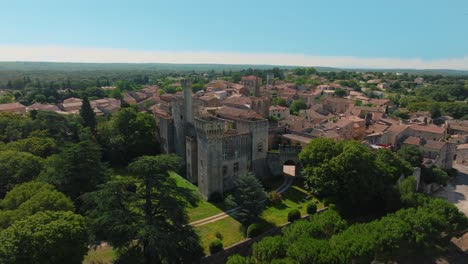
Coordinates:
219 147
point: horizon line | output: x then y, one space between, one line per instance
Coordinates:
70 54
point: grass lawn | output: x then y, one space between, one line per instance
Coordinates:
102 255
296 197
203 209
229 228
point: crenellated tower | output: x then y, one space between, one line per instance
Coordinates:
210 131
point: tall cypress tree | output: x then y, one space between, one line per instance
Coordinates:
87 113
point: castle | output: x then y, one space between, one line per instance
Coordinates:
217 144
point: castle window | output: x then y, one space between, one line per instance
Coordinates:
181 117
225 168
260 147
236 166
236 154
224 156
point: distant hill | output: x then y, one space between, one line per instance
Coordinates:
35 67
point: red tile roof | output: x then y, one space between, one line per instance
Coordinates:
232 112
430 129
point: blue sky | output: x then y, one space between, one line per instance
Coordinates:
427 31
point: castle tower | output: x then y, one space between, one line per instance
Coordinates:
257 87
270 77
259 130
210 131
182 115
188 105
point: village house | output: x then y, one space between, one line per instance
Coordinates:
343 127
105 106
312 116
280 112
209 101
462 154
71 105
43 107
457 127
242 102
428 132
436 153
336 105
250 82
127 98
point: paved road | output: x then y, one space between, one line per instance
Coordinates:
286 184
456 192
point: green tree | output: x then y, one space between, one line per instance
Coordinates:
128 135
45 237
411 154
249 196
297 105
39 146
17 167
340 92
146 213
77 169
268 249
29 198
352 176
279 101
88 115
310 71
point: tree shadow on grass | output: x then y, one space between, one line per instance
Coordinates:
295 195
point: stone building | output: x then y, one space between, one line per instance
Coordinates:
218 147
251 82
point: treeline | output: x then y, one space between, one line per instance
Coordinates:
326 238
56 189
360 185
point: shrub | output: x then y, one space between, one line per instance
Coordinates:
216 246
219 235
311 208
294 215
216 197
274 197
254 230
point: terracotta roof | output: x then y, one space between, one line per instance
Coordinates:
431 129
312 113
238 100
435 144
297 138
462 146
249 78
72 100
459 127
376 128
278 107
397 128
10 106
341 123
232 112
379 102
166 97
38 106
412 141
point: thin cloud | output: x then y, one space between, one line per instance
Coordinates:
109 55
